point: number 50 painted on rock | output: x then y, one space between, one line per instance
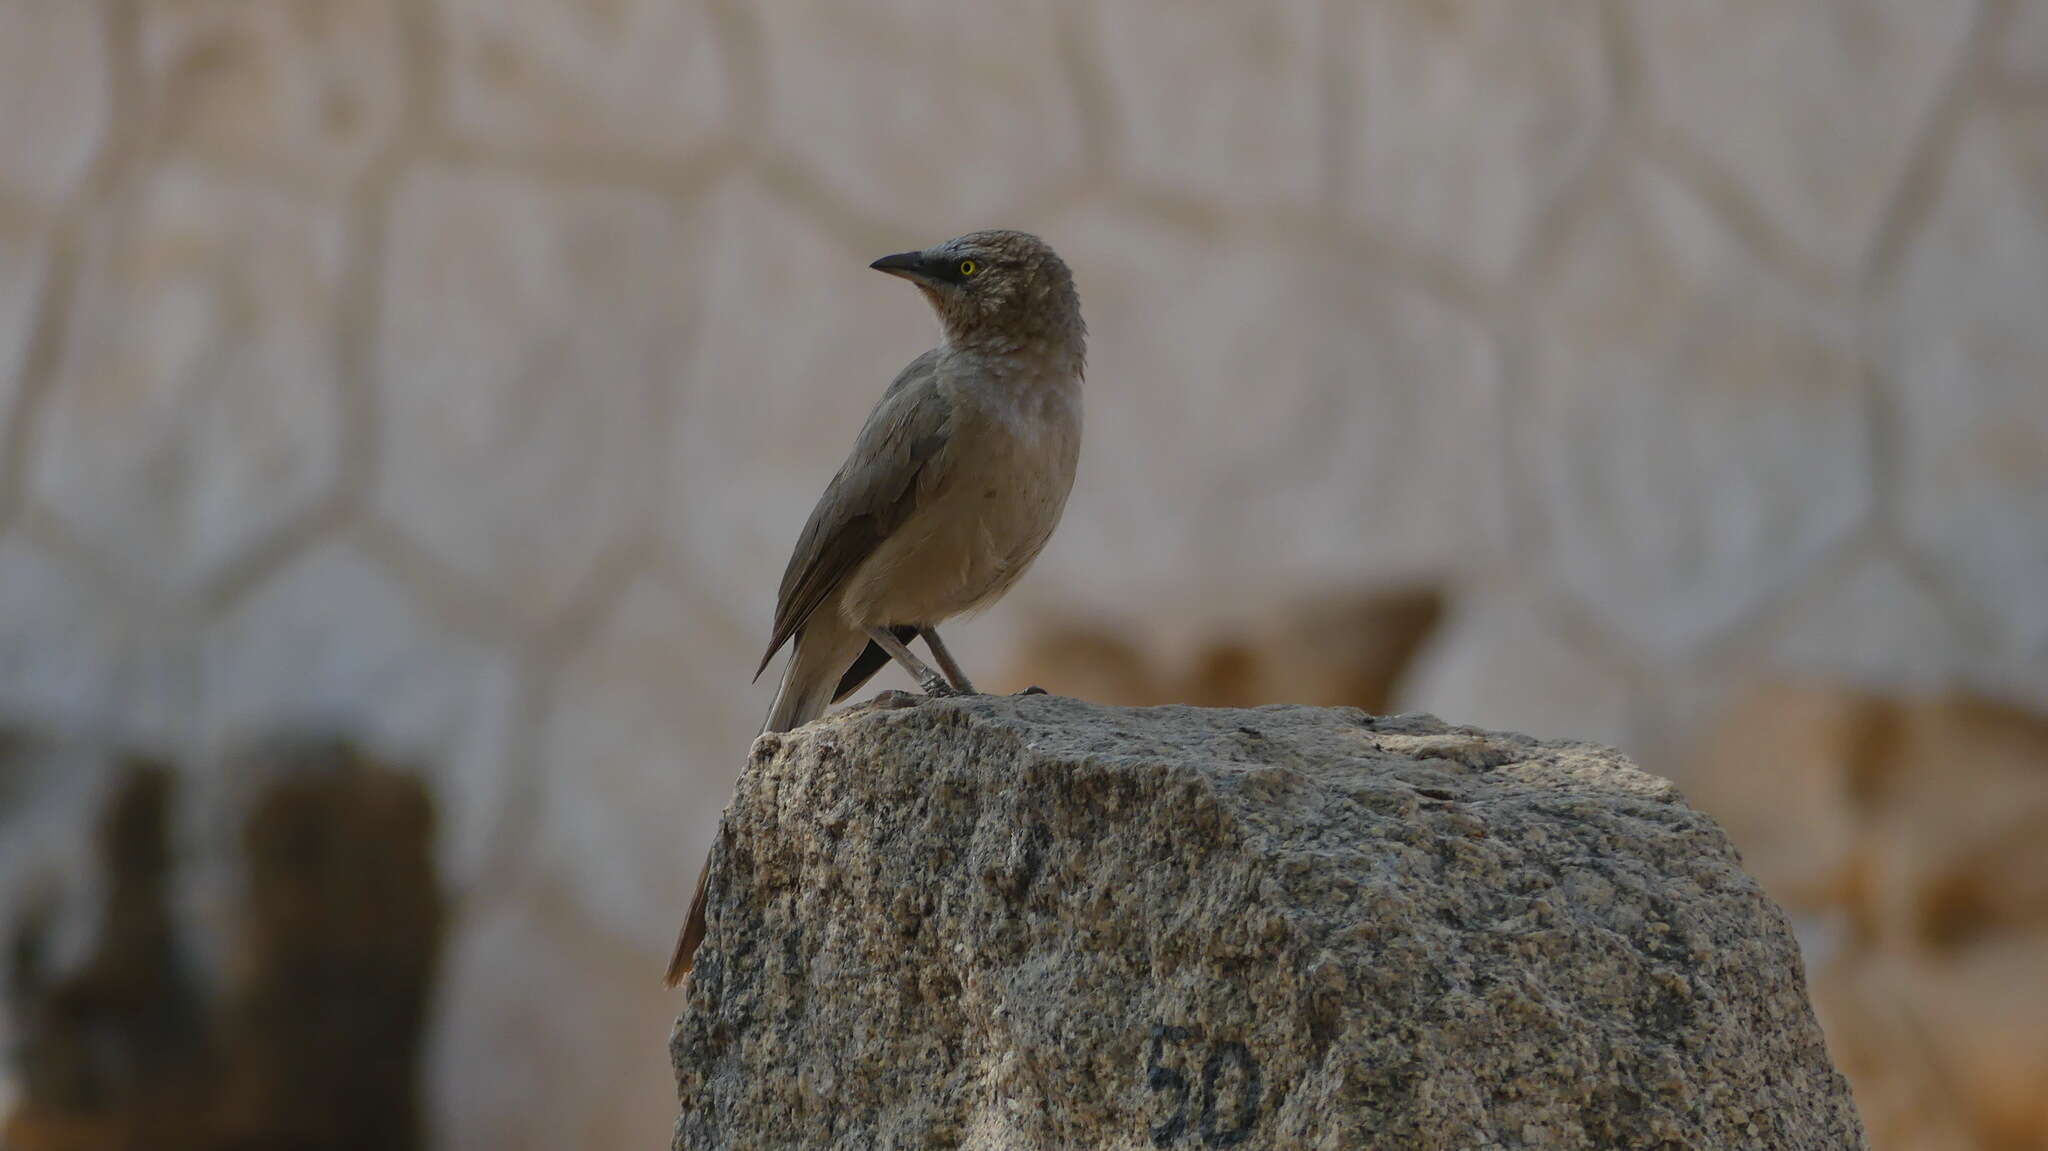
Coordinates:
1169 1081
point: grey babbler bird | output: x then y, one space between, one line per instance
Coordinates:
953 486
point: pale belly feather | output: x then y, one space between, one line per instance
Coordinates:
1005 488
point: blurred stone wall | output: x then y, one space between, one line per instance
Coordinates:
457 373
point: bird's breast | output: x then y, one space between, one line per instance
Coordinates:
1008 468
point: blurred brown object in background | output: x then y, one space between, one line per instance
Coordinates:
343 928
317 1044
114 1056
1908 837
1333 650
1097 663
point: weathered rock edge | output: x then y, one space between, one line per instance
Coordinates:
1033 922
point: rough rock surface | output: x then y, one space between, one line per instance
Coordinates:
1033 922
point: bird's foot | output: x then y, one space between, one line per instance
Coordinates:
935 686
1034 689
894 700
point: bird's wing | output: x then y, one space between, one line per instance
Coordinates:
894 463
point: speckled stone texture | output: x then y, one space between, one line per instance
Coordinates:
1033 922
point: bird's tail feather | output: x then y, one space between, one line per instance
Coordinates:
811 681
685 955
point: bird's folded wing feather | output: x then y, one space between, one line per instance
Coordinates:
895 462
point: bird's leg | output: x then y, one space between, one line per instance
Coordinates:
932 682
947 663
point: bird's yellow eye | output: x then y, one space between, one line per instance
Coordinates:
969 267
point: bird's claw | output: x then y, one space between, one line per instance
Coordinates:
1034 689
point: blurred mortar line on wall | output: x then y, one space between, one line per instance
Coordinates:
457 373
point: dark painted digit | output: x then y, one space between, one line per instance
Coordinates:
1248 1106
1160 1077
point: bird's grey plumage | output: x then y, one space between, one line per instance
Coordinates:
952 488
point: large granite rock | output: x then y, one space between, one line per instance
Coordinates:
1032 922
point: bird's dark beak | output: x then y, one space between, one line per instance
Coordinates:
909 265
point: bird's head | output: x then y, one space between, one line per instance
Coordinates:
1001 291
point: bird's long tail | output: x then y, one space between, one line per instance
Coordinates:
811 680
809 685
684 958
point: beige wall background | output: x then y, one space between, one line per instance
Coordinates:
459 373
